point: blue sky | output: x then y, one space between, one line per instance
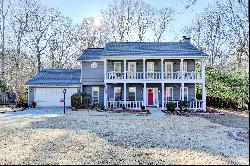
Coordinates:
77 9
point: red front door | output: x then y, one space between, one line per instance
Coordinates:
150 97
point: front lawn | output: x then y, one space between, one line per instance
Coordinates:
92 137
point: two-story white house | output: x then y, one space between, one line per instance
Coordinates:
133 74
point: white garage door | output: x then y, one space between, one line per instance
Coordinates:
52 96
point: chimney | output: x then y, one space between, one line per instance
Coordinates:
186 39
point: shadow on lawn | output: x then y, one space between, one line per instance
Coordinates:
228 119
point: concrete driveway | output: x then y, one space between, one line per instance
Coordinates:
31 113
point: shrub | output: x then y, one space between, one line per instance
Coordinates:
143 107
81 100
102 107
183 105
171 106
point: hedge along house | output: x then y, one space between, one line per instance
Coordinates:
46 87
129 74
133 74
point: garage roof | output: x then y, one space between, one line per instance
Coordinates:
56 77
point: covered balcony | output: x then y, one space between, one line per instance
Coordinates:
152 69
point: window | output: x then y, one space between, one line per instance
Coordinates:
117 93
184 66
185 93
169 93
95 94
150 70
117 67
169 70
132 93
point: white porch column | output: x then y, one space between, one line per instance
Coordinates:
162 96
182 80
162 69
195 101
181 70
125 93
144 74
144 94
203 86
105 91
182 91
125 68
105 69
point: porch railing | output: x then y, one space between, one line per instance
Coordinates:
192 104
115 75
136 75
192 75
126 104
172 75
154 75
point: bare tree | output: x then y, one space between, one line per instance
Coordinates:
43 19
163 18
4 9
220 27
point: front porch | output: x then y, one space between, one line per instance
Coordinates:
150 95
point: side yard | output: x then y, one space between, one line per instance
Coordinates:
90 137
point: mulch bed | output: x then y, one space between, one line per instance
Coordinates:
130 111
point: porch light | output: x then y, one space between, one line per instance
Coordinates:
159 90
31 90
64 90
141 90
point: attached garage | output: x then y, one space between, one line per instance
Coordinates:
53 96
46 88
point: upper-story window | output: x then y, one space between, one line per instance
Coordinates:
117 67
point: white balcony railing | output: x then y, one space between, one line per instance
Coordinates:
126 104
115 75
154 75
192 75
134 75
172 75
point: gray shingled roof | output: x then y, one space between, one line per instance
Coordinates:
91 53
56 77
143 49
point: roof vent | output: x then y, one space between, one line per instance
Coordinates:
186 39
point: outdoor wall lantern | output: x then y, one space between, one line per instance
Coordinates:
31 90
